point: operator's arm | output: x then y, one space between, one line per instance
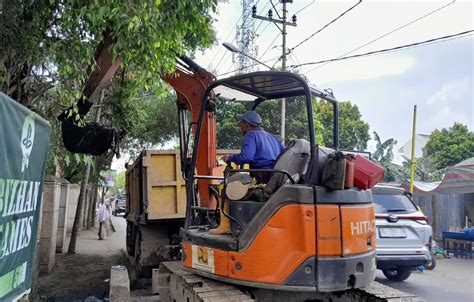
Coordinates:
247 152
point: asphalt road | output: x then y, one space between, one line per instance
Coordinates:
451 280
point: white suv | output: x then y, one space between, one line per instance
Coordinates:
403 233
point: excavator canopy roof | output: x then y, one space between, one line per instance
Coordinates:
265 85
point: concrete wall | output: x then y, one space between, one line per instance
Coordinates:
62 216
49 224
73 194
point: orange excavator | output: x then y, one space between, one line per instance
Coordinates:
304 238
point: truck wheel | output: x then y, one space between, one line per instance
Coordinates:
130 240
138 267
397 273
141 270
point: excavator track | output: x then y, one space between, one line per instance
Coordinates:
176 284
173 283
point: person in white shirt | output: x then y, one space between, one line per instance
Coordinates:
103 217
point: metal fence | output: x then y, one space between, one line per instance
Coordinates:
446 212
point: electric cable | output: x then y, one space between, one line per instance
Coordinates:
308 5
391 32
269 46
325 26
276 11
245 67
261 21
397 48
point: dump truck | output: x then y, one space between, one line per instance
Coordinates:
155 207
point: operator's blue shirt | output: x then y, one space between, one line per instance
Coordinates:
260 149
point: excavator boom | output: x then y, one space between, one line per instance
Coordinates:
190 81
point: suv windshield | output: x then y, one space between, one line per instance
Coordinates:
385 203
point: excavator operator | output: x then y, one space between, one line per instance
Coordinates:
260 149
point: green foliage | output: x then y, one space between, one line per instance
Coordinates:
119 185
228 131
148 119
424 170
447 147
353 131
47 53
384 155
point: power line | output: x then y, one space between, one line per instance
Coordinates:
264 29
391 32
308 5
388 49
325 26
269 46
251 65
261 21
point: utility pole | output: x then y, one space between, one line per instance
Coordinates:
281 20
412 162
283 67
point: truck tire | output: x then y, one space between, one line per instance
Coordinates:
141 270
397 274
130 240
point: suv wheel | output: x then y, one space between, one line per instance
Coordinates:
432 264
397 273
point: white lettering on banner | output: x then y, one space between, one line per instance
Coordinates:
18 196
362 227
16 235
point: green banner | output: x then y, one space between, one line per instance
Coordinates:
24 141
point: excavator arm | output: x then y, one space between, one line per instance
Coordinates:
190 81
190 85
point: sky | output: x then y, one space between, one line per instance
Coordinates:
438 77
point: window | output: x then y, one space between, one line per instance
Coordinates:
396 204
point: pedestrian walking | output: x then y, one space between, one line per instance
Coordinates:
103 218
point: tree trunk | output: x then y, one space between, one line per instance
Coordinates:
93 205
87 209
78 216
84 207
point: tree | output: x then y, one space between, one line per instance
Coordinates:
47 53
424 170
384 155
228 133
119 185
447 147
353 132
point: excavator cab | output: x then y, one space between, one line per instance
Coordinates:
302 237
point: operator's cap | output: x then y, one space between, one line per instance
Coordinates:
251 117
